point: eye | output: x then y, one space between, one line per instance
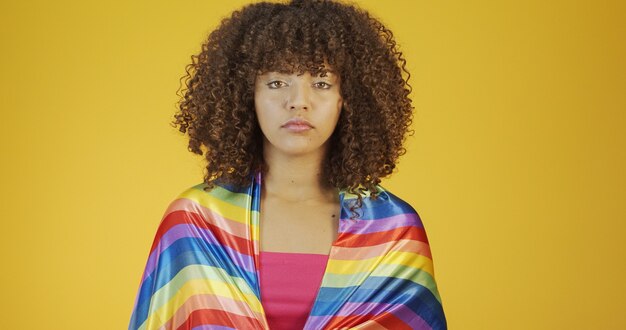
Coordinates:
276 84
323 85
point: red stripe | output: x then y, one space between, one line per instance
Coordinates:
174 218
370 239
390 321
217 317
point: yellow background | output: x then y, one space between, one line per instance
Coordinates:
517 167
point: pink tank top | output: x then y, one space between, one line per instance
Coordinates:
289 286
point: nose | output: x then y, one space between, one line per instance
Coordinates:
299 97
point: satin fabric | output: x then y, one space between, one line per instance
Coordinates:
203 268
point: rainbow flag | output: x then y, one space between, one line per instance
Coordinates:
202 271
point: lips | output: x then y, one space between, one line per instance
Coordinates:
297 125
298 122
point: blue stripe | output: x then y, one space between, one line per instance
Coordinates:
182 253
385 205
386 290
392 290
329 299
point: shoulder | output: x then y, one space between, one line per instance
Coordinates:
200 195
384 219
194 200
386 205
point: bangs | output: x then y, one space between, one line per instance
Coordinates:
296 41
296 64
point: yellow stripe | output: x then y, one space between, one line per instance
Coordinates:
195 280
226 210
344 273
197 287
352 266
196 272
418 276
409 259
392 258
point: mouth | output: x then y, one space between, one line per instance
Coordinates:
297 125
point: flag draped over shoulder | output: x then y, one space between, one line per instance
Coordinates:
203 268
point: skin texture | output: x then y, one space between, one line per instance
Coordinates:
280 97
299 211
217 105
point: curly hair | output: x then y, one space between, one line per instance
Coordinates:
216 108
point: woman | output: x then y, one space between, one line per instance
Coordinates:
300 109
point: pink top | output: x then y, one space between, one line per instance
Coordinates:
289 285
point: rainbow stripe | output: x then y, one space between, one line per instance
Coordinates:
202 271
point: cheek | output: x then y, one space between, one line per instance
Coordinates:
266 103
261 109
262 119
267 121
338 107
332 117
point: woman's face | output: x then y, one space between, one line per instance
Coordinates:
297 113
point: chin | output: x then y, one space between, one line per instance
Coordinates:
298 150
294 146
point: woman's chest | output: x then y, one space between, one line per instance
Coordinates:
296 228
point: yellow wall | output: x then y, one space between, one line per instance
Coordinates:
517 166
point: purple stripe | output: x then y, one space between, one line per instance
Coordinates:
316 322
177 232
362 308
409 317
382 224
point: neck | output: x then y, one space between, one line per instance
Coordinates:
297 178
